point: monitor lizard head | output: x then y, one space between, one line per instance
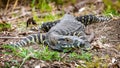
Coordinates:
67 42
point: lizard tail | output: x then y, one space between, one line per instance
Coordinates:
30 39
89 19
102 19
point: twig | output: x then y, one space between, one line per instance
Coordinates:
19 16
45 14
64 55
114 40
10 37
15 4
30 14
25 60
7 5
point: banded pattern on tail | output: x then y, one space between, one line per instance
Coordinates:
39 38
86 20
45 27
89 19
57 38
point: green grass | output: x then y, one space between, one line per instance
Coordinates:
110 11
83 56
97 62
45 54
43 5
112 8
49 17
48 55
27 53
5 26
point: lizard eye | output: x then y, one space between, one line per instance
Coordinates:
68 40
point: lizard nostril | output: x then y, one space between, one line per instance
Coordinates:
67 40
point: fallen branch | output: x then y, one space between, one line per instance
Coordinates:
114 40
19 16
10 37
30 15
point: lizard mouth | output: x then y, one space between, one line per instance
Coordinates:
71 42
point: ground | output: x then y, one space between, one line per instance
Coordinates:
105 46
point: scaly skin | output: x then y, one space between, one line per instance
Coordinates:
66 33
86 20
65 29
38 38
45 27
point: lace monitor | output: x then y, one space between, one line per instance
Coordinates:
66 33
86 20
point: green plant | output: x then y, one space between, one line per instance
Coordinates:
11 48
112 7
43 5
62 2
44 54
84 56
28 53
48 17
4 26
22 52
7 65
97 62
110 11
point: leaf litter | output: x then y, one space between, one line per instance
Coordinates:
106 45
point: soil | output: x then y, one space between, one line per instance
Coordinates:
106 46
106 42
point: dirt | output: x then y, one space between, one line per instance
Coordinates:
106 44
107 40
110 30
